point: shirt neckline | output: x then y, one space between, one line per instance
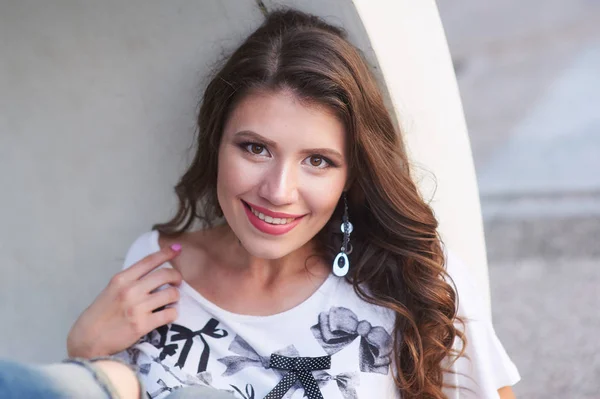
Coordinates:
323 292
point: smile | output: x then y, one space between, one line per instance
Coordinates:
271 220
274 223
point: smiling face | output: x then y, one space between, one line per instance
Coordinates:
282 169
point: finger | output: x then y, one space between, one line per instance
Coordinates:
151 262
157 279
157 319
160 299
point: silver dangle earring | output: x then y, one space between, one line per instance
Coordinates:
341 263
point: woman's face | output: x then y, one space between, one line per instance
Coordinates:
282 169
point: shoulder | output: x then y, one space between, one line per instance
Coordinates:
143 246
152 241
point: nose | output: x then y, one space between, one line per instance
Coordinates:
279 185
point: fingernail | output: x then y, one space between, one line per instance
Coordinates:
176 247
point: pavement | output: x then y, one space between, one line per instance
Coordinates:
529 75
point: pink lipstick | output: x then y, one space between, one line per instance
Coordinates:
267 227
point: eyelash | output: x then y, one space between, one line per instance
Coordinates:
245 146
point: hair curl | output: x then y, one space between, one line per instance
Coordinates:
398 259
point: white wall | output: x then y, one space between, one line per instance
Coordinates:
97 109
412 53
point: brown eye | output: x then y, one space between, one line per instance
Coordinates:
256 149
316 161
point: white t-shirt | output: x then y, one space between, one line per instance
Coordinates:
345 344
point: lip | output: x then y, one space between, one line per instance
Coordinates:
271 229
267 212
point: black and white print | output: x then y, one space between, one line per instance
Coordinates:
346 382
340 326
248 392
246 356
177 339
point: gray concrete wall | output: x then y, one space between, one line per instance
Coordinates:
97 110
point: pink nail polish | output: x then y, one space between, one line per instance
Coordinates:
176 247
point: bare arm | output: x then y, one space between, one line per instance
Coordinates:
506 393
121 377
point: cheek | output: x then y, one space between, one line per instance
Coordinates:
322 195
235 174
228 176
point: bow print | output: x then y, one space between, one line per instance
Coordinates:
203 379
187 335
248 357
249 391
145 368
163 388
346 382
133 356
340 326
301 369
158 338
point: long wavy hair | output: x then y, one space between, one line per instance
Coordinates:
397 258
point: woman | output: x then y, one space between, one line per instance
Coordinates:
318 271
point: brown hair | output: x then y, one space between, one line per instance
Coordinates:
397 258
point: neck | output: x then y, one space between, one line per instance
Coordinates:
300 263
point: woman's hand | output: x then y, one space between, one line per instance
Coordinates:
126 309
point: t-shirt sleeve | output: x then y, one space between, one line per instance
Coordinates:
485 366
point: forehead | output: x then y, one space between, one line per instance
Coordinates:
281 117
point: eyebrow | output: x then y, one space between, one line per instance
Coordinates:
249 134
328 152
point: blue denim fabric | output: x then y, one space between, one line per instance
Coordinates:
56 381
74 381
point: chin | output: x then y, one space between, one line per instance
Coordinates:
266 250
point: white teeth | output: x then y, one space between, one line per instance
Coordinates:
271 220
